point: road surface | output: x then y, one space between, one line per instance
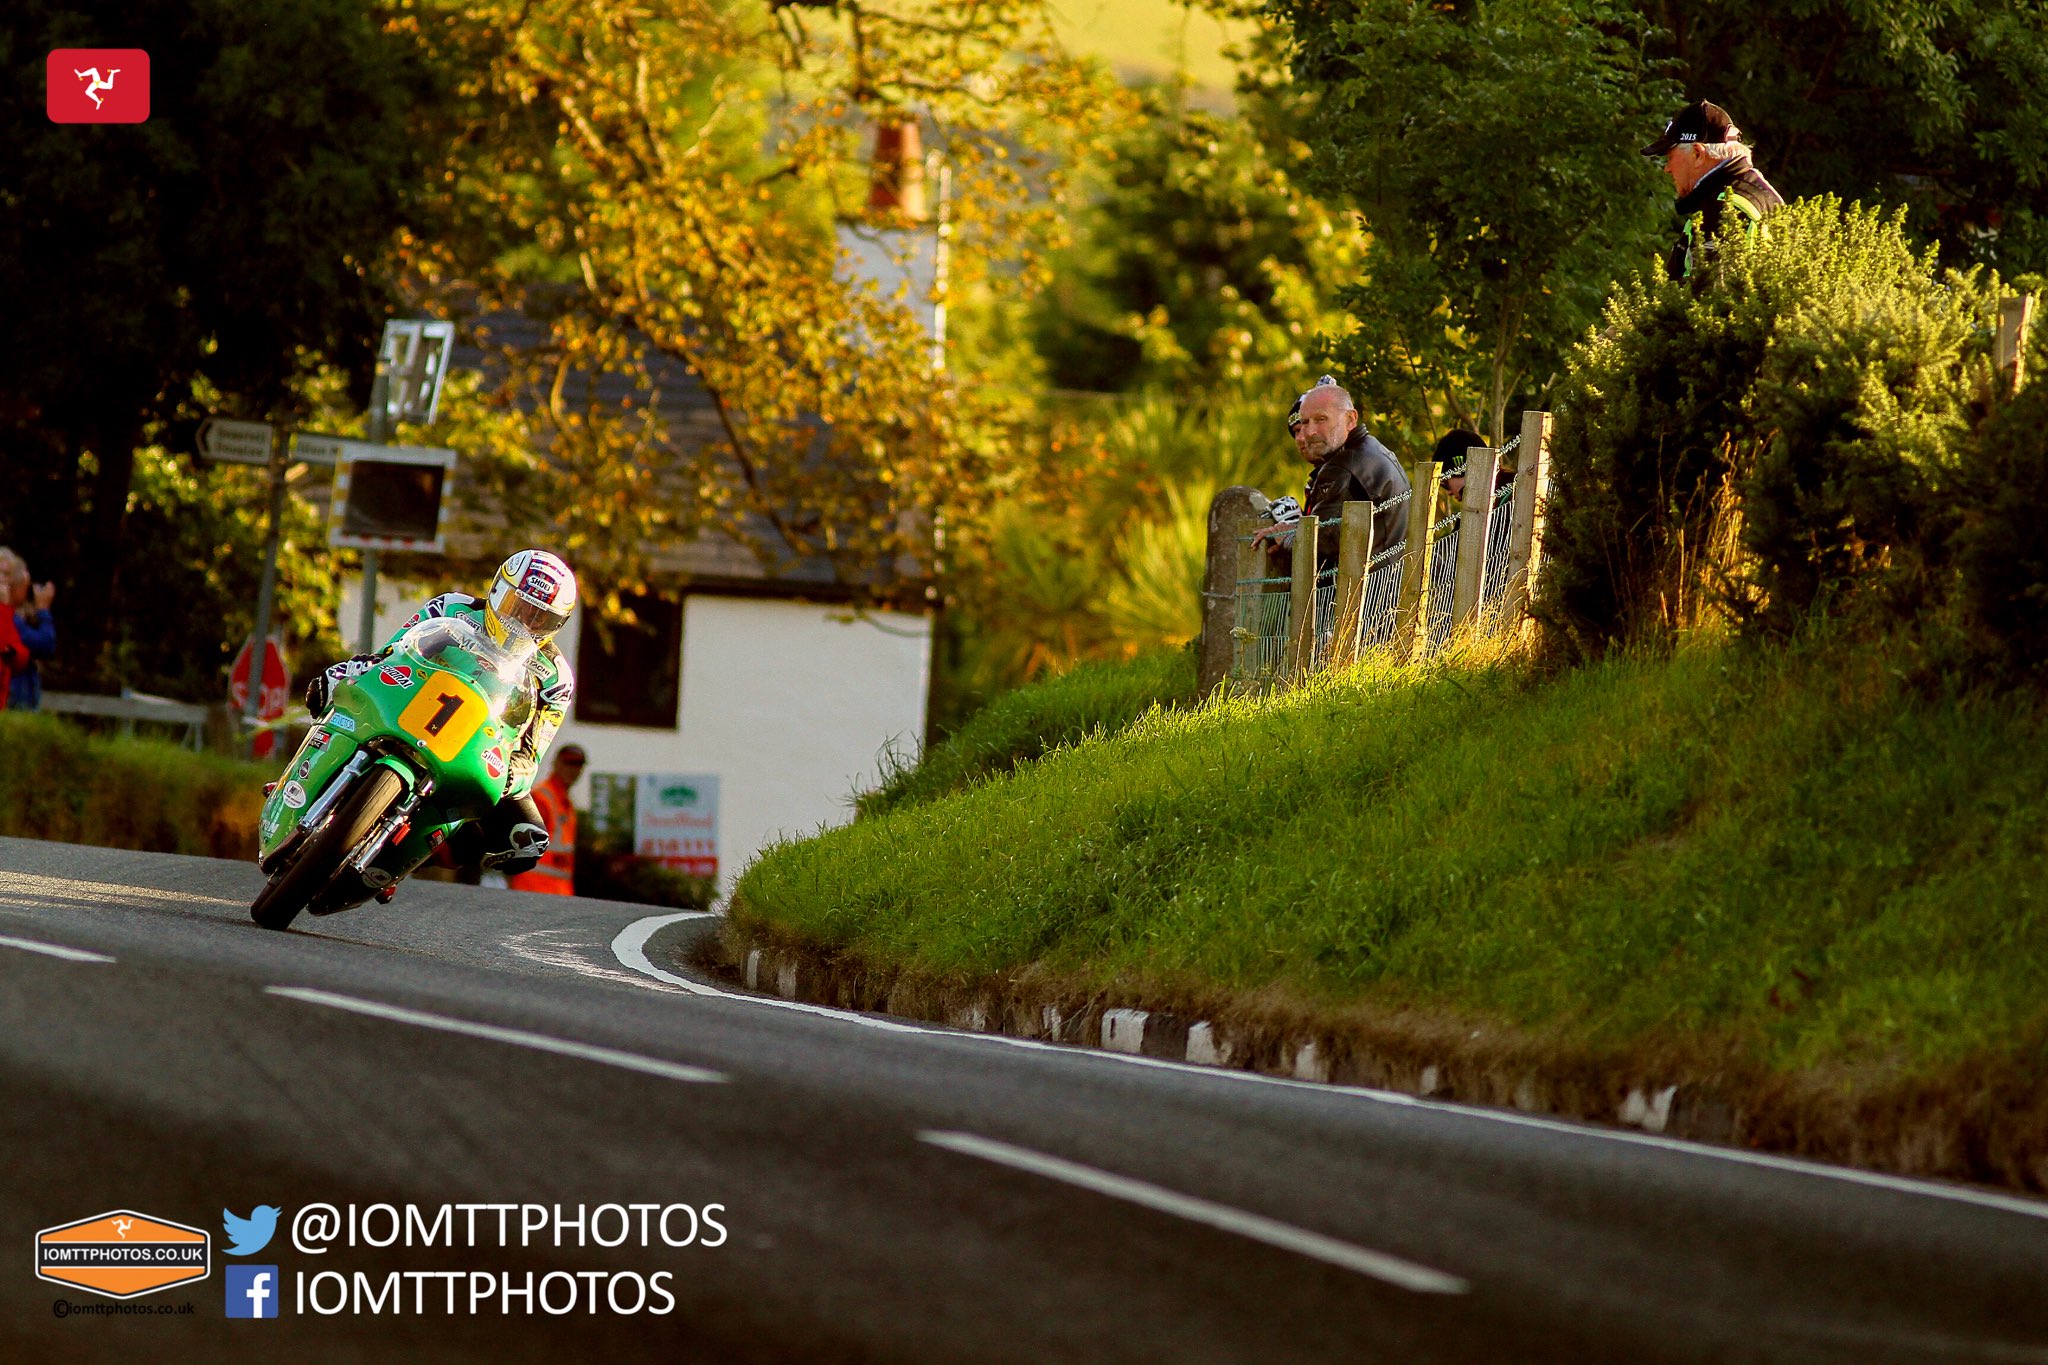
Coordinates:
467 1078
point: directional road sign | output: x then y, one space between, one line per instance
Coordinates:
313 447
221 438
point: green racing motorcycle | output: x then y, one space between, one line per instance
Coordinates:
411 750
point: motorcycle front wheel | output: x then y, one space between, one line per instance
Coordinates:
293 887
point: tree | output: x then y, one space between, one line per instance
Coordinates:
670 176
1491 150
217 251
1198 263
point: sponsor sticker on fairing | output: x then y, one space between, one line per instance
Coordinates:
342 722
293 795
396 675
494 761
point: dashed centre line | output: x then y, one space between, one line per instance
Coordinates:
1419 1279
29 945
540 1042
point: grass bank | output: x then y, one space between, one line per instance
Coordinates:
58 782
1020 726
1772 864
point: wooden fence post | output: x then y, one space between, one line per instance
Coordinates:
1234 513
1411 625
2009 353
1301 604
1475 534
1354 553
1525 533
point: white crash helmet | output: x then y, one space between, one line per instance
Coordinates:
531 597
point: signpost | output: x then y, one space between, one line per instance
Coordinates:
385 497
314 447
390 498
223 438
412 361
268 703
236 442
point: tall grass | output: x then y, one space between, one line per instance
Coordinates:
1789 852
1016 728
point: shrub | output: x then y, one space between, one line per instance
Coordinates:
1786 435
2002 585
57 782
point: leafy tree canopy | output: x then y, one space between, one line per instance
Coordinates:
225 245
683 167
1199 263
1491 150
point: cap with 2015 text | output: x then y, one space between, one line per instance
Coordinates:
1699 121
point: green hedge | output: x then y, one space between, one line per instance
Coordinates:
1790 435
58 782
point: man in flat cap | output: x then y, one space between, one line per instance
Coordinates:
1711 170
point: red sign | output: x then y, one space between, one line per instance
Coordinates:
269 698
396 675
97 85
494 761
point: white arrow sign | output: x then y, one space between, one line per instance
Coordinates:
221 438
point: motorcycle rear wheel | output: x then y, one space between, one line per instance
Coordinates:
294 887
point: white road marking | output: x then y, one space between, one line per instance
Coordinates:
1378 1264
630 948
631 1061
29 945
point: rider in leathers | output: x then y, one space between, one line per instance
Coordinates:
531 597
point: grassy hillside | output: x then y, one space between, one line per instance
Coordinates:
1791 857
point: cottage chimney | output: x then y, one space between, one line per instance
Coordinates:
896 189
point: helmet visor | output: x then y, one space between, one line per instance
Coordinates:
540 621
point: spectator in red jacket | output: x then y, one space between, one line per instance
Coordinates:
13 654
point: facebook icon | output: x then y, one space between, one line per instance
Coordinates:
252 1291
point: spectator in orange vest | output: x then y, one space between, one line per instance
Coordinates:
555 874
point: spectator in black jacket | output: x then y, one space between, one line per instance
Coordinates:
1711 170
1347 465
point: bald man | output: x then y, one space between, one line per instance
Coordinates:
1346 465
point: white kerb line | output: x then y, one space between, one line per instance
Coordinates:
540 1042
630 949
1377 1264
29 945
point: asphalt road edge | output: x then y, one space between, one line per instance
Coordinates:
1957 1132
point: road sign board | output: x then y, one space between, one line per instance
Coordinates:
390 498
414 359
222 438
314 447
270 698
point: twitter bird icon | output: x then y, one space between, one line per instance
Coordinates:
250 1235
